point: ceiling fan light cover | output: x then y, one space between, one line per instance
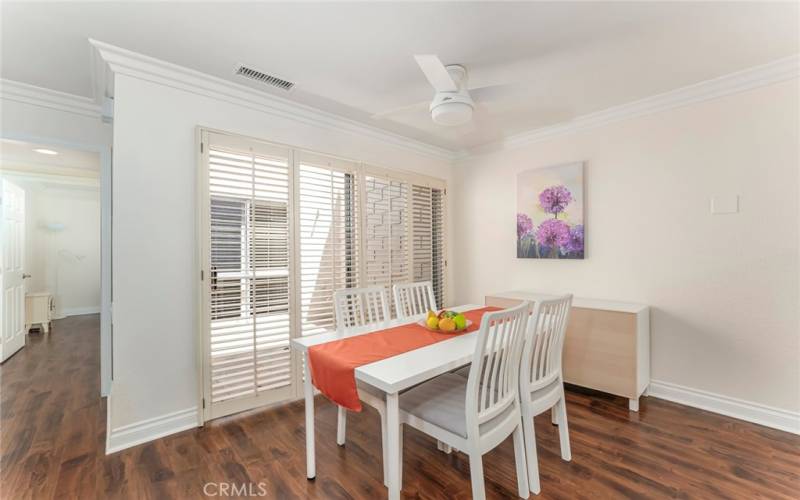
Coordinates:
451 114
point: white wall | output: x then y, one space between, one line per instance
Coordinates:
723 288
155 242
66 263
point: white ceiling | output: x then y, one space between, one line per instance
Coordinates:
355 59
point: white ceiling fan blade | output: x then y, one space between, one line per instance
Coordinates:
436 73
417 106
495 92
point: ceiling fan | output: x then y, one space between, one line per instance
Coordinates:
453 103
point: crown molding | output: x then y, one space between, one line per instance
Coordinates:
777 71
110 59
39 96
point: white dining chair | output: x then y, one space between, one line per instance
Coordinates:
414 299
478 413
541 378
356 308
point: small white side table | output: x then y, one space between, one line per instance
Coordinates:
38 310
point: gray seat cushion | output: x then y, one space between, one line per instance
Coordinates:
441 401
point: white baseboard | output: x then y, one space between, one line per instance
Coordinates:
150 429
77 311
744 410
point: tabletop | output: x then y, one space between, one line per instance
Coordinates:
405 370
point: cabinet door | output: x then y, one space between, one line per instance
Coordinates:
600 351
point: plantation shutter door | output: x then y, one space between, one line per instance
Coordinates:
439 262
387 258
427 236
249 204
328 236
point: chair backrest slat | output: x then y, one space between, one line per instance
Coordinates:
414 299
493 386
541 358
357 307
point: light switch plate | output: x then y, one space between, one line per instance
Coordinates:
725 204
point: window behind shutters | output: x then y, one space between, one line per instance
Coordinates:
329 244
427 232
282 230
386 232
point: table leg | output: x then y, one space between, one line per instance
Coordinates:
308 389
393 448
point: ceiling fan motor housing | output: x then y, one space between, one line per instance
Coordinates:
450 108
453 108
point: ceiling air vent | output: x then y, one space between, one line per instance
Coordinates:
258 76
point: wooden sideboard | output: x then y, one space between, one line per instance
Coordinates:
607 346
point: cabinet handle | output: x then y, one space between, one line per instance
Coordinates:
25 276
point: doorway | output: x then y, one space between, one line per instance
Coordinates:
52 240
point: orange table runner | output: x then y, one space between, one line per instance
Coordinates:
333 363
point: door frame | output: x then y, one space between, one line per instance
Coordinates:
106 294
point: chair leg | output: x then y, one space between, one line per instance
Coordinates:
476 475
554 415
341 424
563 429
519 459
530 451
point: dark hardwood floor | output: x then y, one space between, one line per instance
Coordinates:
52 435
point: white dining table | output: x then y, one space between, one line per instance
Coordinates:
391 375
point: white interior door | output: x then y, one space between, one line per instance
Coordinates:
12 305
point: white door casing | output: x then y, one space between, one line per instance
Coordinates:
12 303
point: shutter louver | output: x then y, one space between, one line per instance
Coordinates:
328 238
250 291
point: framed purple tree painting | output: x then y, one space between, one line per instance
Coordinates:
550 213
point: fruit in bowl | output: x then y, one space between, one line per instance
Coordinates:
446 321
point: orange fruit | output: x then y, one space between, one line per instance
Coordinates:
447 325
